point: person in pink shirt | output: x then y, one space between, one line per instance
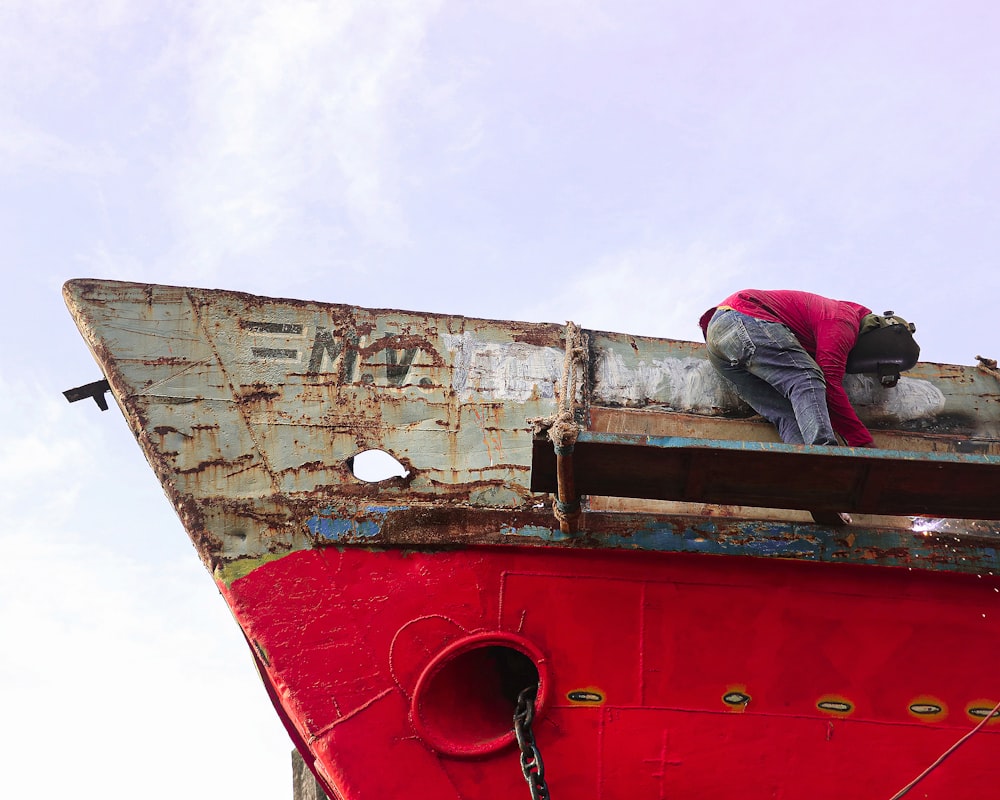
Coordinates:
786 353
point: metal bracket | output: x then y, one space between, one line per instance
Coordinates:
97 390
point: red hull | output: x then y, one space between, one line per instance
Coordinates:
645 660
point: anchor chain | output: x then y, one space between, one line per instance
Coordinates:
531 758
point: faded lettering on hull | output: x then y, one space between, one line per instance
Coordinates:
326 351
331 353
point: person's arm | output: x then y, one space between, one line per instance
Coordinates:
834 340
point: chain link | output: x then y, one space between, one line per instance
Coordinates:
531 759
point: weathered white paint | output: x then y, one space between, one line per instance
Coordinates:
502 370
692 385
911 398
248 437
683 384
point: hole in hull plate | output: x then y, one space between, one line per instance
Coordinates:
464 700
373 466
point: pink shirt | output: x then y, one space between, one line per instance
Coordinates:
826 329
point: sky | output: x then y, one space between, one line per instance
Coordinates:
622 164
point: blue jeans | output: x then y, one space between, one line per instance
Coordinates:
771 371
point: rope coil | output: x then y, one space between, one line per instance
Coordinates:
563 429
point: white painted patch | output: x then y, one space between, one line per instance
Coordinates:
503 371
518 372
911 398
684 384
615 382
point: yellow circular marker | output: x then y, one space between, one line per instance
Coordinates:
927 708
979 709
736 698
836 705
587 696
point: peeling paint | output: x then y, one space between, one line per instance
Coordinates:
682 384
911 398
248 447
234 570
490 370
331 524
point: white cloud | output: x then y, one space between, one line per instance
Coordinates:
570 19
49 51
25 145
37 457
293 110
112 669
68 27
118 655
655 291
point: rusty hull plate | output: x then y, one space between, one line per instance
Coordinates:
251 411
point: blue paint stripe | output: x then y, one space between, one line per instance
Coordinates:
330 523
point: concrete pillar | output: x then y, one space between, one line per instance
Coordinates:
304 784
